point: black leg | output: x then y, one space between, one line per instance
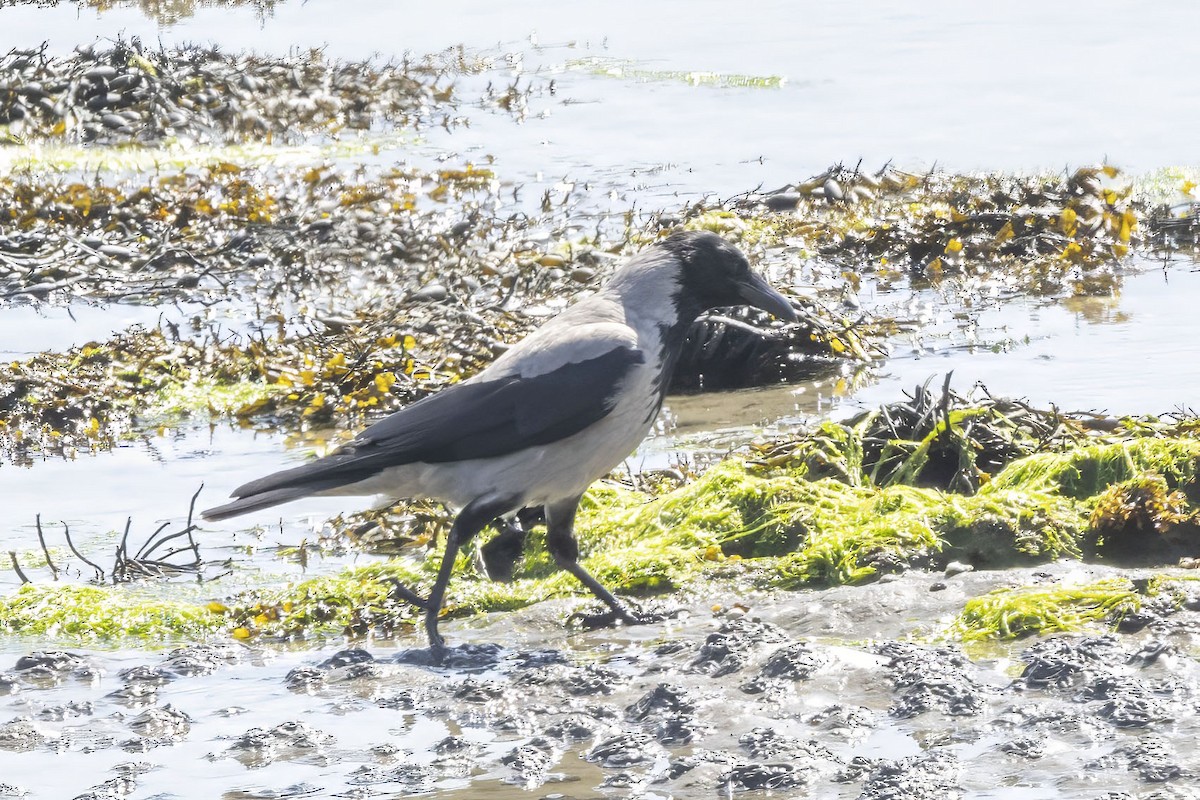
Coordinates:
561 542
470 521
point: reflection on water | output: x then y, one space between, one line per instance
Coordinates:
965 85
1132 353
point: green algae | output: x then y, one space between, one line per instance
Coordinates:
218 398
998 527
95 614
1011 613
1168 186
1087 471
629 70
804 514
58 158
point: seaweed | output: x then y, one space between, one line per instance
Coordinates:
125 92
1012 613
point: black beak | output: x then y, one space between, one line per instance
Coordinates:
755 291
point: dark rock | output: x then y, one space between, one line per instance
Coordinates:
855 769
261 746
415 778
305 679
472 691
166 721
50 660
932 679
930 776
463 657
592 679
624 750
660 700
112 789
843 718
1150 653
146 675
1060 661
1135 621
833 190
201 659
363 670
19 735
1128 702
433 293
728 650
573 728
783 201
531 761
766 743
763 776
344 658
453 744
403 700
676 729
75 708
796 661
539 658
1030 747
1151 758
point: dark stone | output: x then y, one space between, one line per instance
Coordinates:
344 658
795 661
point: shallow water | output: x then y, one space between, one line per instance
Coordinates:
1017 86
1126 354
395 728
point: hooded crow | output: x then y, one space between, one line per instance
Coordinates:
553 414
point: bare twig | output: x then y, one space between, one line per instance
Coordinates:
17 567
152 544
191 527
945 406
120 560
45 550
81 556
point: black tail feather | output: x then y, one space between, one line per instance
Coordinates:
261 500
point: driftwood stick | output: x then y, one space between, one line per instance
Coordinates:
191 527
12 554
45 550
142 551
81 556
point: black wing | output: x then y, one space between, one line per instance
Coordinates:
471 420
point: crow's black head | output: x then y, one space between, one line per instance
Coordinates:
714 274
